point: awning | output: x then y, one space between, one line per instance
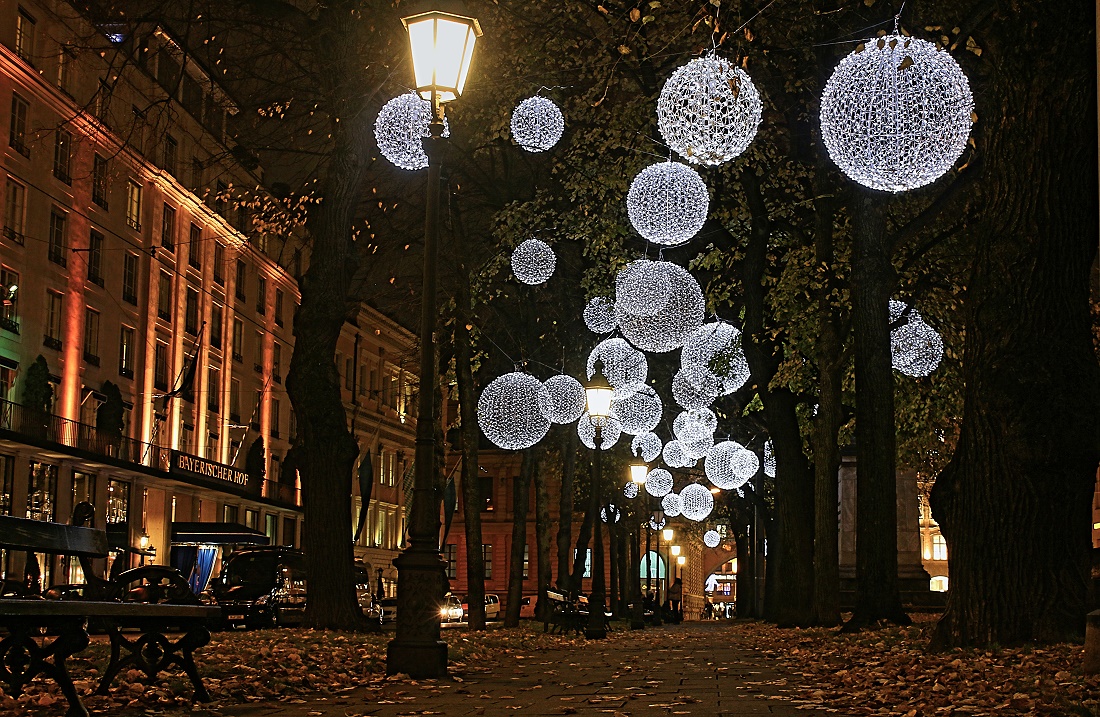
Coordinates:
216 534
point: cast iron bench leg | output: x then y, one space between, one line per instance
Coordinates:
21 660
153 652
195 638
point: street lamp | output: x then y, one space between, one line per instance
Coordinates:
442 44
639 469
680 561
598 393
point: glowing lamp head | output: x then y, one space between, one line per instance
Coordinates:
638 471
675 550
442 45
681 560
598 393
143 541
668 534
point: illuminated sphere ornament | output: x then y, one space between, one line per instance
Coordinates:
711 538
916 348
730 465
655 524
696 502
400 130
675 456
667 203
623 365
533 261
694 386
696 448
630 490
610 432
709 111
671 505
642 287
897 308
694 423
537 124
610 514
562 399
508 411
667 329
599 315
896 113
715 348
639 412
658 483
646 446
769 460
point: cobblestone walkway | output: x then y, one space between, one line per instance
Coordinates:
689 669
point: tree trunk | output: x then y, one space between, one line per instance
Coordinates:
521 498
584 535
873 280
328 449
1014 501
543 524
472 501
746 570
569 442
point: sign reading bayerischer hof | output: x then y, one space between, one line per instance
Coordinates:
189 465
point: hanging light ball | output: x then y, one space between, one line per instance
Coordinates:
681 315
562 399
611 430
916 348
610 514
599 315
671 505
730 465
897 309
711 539
640 412
630 490
655 524
694 386
642 287
896 113
696 502
769 460
646 446
623 365
696 448
709 111
658 483
694 423
667 203
533 262
675 456
400 130
508 411
715 347
537 124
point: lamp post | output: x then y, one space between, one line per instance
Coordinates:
669 534
442 44
639 469
598 393
658 520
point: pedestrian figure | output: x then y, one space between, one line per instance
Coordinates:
675 597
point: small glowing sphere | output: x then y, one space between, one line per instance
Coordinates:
508 411
729 465
675 455
630 490
622 364
599 315
642 287
640 412
696 502
647 446
537 124
694 387
400 130
695 423
671 505
709 111
562 399
658 483
610 432
696 448
896 113
916 348
715 347
711 538
533 262
681 315
667 203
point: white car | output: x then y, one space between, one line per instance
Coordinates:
492 607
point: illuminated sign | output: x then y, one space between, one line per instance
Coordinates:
190 465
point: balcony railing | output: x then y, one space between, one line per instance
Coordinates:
282 493
9 324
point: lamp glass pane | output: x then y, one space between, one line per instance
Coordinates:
599 401
675 549
422 41
668 534
471 38
638 472
450 45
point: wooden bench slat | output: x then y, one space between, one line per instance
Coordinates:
55 538
13 607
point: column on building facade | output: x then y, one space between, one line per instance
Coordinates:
75 256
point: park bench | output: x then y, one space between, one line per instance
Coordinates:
45 629
564 615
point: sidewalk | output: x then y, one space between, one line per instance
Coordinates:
688 669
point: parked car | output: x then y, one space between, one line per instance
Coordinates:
451 609
492 607
266 587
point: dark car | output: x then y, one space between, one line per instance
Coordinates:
266 587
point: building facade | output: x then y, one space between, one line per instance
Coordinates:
149 288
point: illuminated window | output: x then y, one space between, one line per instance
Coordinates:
133 205
24 36
938 584
15 208
939 548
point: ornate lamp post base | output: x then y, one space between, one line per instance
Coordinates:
417 650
